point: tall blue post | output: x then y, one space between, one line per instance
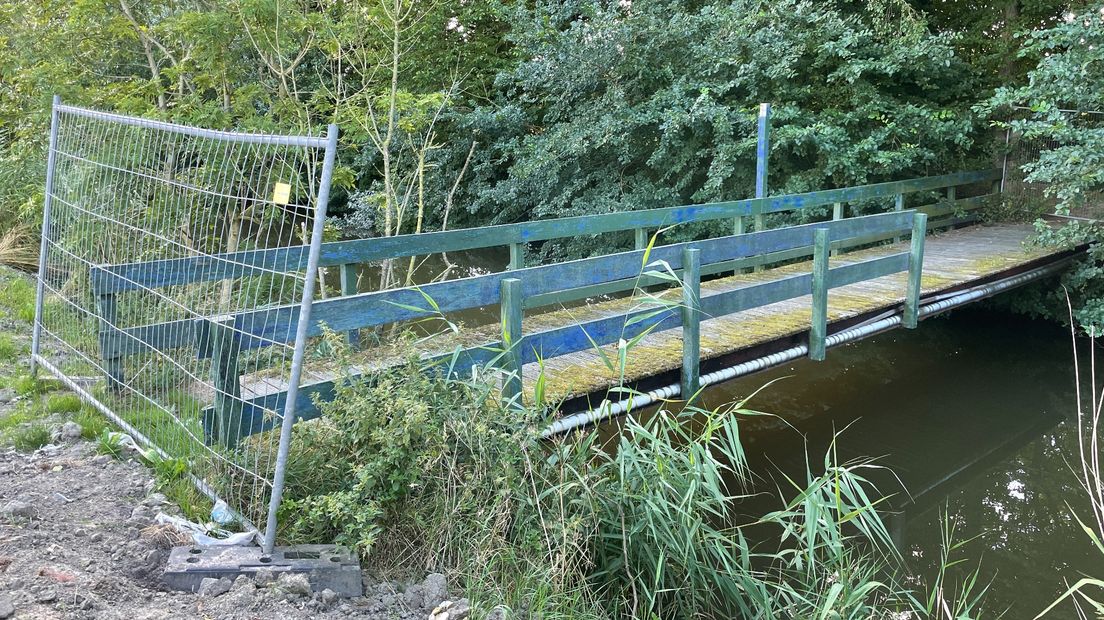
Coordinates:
762 154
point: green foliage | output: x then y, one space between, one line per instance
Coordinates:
1069 76
63 402
617 106
420 472
112 443
9 348
17 298
987 34
92 422
30 437
27 385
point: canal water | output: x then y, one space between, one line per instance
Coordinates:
973 415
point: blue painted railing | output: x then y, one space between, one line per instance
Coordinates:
521 288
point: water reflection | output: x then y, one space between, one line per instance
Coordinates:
969 413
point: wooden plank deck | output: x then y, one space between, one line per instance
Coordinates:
952 259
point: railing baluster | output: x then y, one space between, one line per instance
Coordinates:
349 287
226 428
517 256
898 205
837 215
691 323
818 331
915 272
641 238
511 312
106 308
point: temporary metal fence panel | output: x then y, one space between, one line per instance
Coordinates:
1021 153
164 362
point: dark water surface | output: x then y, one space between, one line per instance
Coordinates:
972 414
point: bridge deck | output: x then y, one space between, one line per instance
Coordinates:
952 260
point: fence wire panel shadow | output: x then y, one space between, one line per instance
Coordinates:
151 246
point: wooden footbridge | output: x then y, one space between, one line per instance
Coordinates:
654 315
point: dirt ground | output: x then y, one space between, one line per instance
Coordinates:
78 540
78 537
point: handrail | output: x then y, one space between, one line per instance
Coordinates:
108 279
273 325
517 349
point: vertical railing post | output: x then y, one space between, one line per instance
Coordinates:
837 215
517 256
349 287
691 323
898 205
47 202
107 310
640 237
510 308
280 471
952 192
818 330
915 271
226 427
762 156
762 159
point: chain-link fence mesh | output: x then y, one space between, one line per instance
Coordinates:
157 238
1023 152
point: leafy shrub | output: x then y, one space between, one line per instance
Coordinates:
424 473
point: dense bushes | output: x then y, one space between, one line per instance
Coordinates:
421 473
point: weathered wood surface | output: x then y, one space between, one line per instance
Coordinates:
951 259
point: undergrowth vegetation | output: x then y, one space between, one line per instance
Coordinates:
421 473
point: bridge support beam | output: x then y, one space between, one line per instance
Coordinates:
915 271
818 330
691 323
511 313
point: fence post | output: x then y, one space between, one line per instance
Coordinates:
517 256
818 331
107 311
226 427
691 323
40 281
349 287
640 238
300 340
916 271
511 311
